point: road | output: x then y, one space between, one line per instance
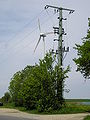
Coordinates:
12 114
12 118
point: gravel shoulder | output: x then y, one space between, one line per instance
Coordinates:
17 113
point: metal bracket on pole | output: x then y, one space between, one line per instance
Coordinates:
60 31
59 8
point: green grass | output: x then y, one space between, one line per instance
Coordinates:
12 106
77 100
87 117
70 108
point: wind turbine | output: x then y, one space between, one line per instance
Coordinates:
42 36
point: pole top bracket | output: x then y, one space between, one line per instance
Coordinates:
59 8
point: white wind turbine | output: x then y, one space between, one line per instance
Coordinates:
42 36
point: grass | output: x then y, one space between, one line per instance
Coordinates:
12 106
72 106
77 100
87 117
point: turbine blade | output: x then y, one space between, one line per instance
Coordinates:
37 43
39 25
49 33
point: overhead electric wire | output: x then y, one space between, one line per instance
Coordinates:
36 28
50 17
66 37
28 35
20 31
26 25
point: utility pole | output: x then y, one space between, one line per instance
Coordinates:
60 54
61 49
60 32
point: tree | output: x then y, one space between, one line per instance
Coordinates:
83 52
39 87
15 87
6 98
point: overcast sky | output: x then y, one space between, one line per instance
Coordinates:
19 34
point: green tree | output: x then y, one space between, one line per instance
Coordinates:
41 86
15 87
6 98
83 52
60 75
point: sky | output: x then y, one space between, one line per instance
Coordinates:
19 33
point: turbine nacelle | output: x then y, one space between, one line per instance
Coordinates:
42 35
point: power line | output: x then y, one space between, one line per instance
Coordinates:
50 17
31 31
60 31
26 25
27 36
36 28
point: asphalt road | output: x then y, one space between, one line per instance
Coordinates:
12 114
13 118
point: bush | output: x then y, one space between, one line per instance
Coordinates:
87 117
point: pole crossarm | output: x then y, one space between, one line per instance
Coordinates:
59 8
60 31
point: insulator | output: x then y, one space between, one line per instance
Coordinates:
64 49
56 51
56 30
46 7
57 10
71 12
60 34
61 19
55 27
62 30
54 10
64 18
56 39
52 50
65 33
67 49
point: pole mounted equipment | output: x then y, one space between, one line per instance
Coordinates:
60 31
60 51
59 8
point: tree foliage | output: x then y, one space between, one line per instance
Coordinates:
83 52
39 87
6 98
